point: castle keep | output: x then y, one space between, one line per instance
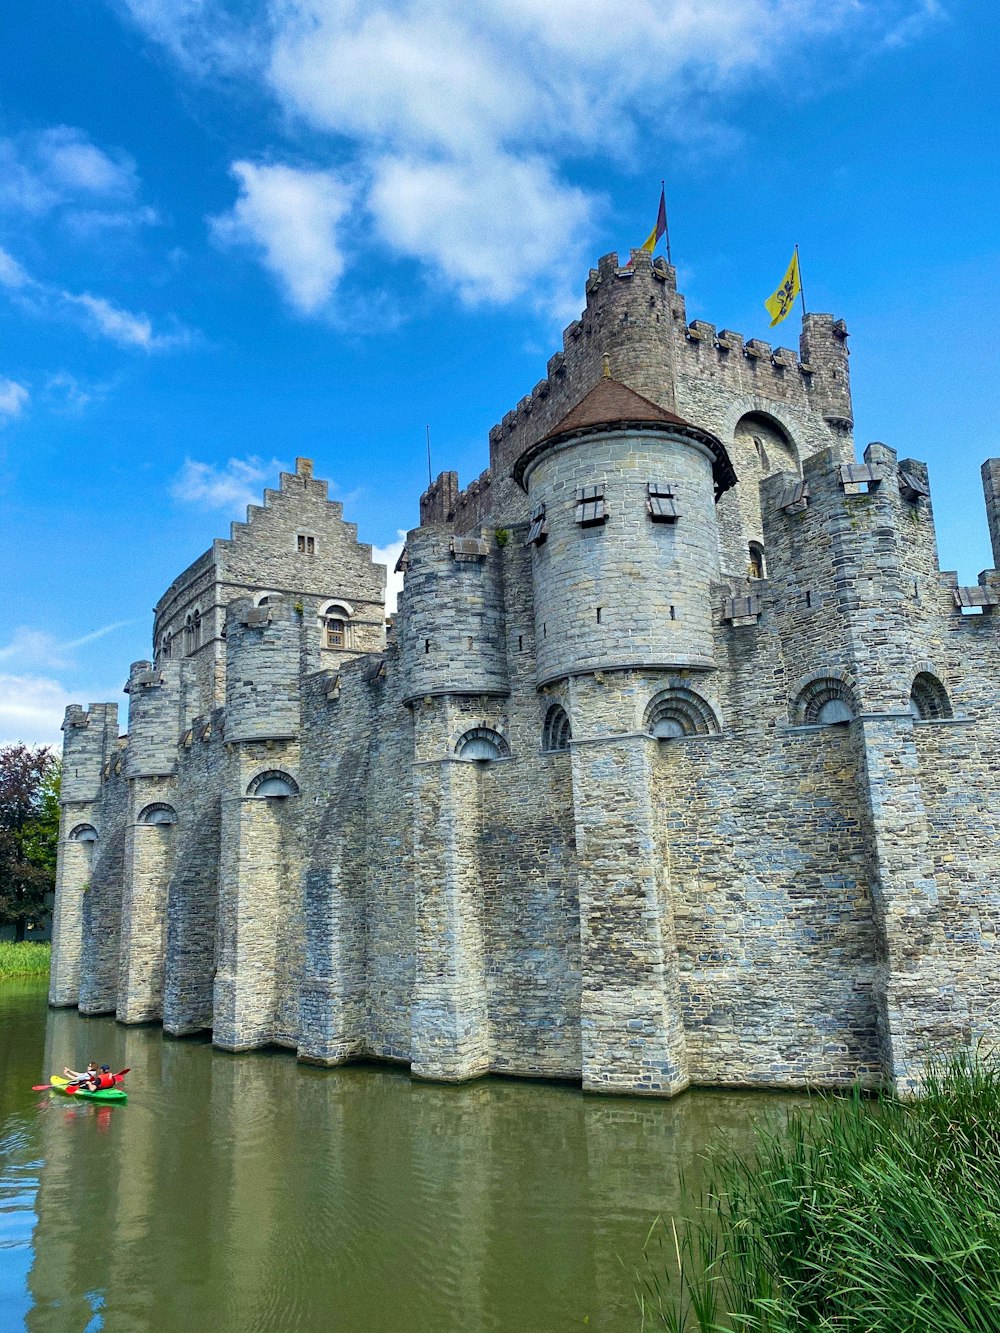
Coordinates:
677 763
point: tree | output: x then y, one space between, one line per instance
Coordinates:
29 833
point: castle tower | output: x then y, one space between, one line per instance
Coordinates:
150 841
451 616
626 549
452 634
90 738
259 900
622 496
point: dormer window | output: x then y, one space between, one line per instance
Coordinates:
539 529
661 502
590 511
335 626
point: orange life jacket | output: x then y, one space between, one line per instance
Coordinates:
105 1081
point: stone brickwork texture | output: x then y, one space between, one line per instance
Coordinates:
636 795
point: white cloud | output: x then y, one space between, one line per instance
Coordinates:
32 708
12 275
100 315
201 34
233 487
388 555
32 705
29 647
487 226
911 27
68 396
13 397
291 217
122 326
42 172
460 122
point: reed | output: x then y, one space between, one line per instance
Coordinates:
24 960
856 1216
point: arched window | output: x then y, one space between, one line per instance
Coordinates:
481 743
158 813
825 701
556 733
266 598
680 712
335 624
756 568
83 833
929 698
188 633
764 446
273 783
196 629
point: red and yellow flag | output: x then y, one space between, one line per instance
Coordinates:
661 226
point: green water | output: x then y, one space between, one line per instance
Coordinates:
253 1193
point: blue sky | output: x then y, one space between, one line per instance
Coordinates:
231 233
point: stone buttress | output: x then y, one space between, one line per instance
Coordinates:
90 740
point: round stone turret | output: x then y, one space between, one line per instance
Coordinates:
452 617
262 670
90 737
622 496
153 707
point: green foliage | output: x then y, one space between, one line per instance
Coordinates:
503 537
856 1217
23 960
29 833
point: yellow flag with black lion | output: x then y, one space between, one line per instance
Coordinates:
779 306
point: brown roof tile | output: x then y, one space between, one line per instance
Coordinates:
611 403
608 403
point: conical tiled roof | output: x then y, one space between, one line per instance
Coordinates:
610 403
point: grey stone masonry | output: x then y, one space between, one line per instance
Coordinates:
90 740
676 765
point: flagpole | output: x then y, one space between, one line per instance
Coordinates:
666 224
430 475
802 290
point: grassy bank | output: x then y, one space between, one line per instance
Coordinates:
24 960
857 1216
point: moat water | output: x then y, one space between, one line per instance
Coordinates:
252 1193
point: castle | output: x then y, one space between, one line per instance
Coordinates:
677 764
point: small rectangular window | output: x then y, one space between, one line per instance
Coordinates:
539 529
661 502
590 509
306 545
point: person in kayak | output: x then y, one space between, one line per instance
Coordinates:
103 1080
82 1080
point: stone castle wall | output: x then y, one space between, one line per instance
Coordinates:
738 828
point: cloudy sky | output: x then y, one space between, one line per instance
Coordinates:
233 231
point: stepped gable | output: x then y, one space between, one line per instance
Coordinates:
613 405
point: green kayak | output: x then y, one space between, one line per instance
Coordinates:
64 1086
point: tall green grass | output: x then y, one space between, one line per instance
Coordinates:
854 1217
24 960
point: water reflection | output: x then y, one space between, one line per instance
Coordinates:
253 1193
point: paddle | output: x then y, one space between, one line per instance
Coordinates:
47 1087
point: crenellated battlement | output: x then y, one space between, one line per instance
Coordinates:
90 740
635 324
